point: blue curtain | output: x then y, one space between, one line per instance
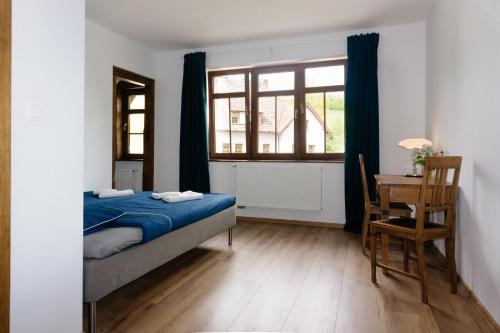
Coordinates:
361 124
193 166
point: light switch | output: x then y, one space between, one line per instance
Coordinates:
34 112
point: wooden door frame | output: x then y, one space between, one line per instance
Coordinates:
148 161
5 151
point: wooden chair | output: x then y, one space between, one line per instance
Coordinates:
373 207
436 195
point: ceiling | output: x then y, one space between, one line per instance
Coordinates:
178 24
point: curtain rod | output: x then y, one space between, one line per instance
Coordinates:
276 47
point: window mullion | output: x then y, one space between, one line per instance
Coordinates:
255 121
324 122
275 125
248 115
230 126
300 135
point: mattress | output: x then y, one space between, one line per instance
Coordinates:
154 217
109 241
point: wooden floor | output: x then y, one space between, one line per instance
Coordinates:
284 278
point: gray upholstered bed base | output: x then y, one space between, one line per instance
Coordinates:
103 276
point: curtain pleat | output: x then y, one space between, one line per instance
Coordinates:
193 151
361 124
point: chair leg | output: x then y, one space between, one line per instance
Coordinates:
373 255
364 234
422 271
384 241
406 252
452 267
230 236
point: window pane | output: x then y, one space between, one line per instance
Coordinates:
136 102
324 76
285 124
276 124
315 129
238 128
229 83
277 81
266 125
221 113
335 122
136 144
136 122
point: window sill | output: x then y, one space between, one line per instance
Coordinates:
275 161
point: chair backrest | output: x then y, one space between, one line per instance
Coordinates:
437 193
366 194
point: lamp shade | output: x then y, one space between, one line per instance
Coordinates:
414 143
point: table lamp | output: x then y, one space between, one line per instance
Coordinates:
415 145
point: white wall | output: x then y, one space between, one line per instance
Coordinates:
105 49
463 84
47 165
402 104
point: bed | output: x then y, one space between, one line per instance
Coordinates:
126 238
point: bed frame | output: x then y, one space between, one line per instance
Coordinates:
103 276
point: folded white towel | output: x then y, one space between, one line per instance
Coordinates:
107 190
164 194
116 194
184 196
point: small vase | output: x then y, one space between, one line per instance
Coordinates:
419 169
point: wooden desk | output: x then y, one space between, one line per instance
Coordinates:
397 188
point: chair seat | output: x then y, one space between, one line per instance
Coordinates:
407 225
412 223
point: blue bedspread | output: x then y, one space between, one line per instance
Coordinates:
155 217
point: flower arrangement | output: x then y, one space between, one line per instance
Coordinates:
418 155
420 148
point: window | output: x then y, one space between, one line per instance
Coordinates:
229 123
130 120
234 118
136 102
136 133
134 125
289 112
237 117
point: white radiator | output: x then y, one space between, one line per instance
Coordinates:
279 186
128 179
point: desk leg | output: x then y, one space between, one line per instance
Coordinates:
384 205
